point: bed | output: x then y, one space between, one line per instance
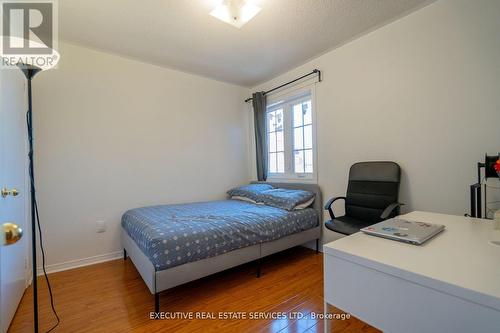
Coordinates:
174 244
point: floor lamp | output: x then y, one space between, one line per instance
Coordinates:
30 70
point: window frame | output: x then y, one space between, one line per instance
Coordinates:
286 100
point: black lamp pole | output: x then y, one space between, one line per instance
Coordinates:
30 72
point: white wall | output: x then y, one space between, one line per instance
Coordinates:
113 134
423 91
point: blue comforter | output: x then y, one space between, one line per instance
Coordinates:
172 235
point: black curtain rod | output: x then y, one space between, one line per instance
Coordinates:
316 71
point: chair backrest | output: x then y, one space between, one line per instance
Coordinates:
372 187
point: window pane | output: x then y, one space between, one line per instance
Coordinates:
280 142
297 115
299 161
271 121
281 163
272 142
308 157
308 137
272 163
307 110
298 139
279 120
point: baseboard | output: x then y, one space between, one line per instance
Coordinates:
80 262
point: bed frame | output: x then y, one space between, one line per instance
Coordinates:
158 281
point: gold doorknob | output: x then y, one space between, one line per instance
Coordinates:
5 192
11 233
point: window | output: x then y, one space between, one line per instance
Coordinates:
291 137
276 141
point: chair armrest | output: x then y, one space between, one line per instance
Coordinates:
328 206
388 211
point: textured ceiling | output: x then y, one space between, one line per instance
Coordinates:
181 34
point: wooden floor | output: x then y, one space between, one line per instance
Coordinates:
111 297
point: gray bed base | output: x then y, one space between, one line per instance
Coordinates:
158 281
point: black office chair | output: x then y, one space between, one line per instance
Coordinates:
372 196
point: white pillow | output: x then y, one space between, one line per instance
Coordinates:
305 204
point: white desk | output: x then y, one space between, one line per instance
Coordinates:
449 284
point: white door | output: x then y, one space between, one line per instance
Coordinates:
13 258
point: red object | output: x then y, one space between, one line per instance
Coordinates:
496 166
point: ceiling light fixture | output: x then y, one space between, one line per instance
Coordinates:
235 12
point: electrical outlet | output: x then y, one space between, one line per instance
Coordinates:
101 226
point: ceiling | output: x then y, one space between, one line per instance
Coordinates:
181 34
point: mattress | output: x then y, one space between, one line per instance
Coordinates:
172 235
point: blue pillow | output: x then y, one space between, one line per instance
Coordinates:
252 191
284 198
